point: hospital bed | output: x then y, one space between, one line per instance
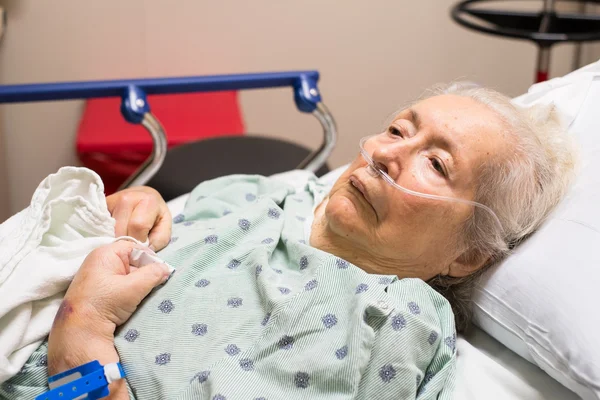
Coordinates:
486 369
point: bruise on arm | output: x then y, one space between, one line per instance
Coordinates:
64 311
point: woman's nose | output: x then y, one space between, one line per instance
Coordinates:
390 159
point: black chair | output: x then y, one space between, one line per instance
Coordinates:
188 165
544 28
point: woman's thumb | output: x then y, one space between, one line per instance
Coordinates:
142 280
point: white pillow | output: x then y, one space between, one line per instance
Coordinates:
543 301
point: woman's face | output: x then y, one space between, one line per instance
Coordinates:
438 146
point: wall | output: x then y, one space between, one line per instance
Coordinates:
590 52
373 56
4 206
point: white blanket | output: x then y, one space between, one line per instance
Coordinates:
41 248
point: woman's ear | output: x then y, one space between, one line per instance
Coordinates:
467 263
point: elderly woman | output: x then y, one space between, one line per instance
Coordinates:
352 292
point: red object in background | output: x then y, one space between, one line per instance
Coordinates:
114 148
541 76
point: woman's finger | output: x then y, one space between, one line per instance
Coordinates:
142 219
123 248
110 259
160 235
140 282
121 214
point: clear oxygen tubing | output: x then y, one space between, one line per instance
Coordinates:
375 170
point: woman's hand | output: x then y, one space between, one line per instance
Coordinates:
142 213
103 295
108 289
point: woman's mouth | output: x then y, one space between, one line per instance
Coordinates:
357 184
354 181
360 187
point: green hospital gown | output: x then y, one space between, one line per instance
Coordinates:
253 312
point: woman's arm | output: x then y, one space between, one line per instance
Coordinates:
79 336
103 295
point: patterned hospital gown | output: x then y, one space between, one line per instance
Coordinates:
253 312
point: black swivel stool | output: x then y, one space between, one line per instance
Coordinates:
545 28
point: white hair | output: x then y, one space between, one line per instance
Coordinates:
522 190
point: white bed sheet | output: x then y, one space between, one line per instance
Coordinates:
489 370
486 368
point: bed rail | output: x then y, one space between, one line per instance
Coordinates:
135 108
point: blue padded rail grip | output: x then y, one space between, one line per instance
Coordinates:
301 81
134 104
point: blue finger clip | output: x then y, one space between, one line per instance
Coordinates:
88 381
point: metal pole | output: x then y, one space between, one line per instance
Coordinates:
543 57
549 6
578 52
543 64
159 151
319 157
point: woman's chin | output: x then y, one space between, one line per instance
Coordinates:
346 216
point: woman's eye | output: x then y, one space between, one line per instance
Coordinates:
395 131
437 165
